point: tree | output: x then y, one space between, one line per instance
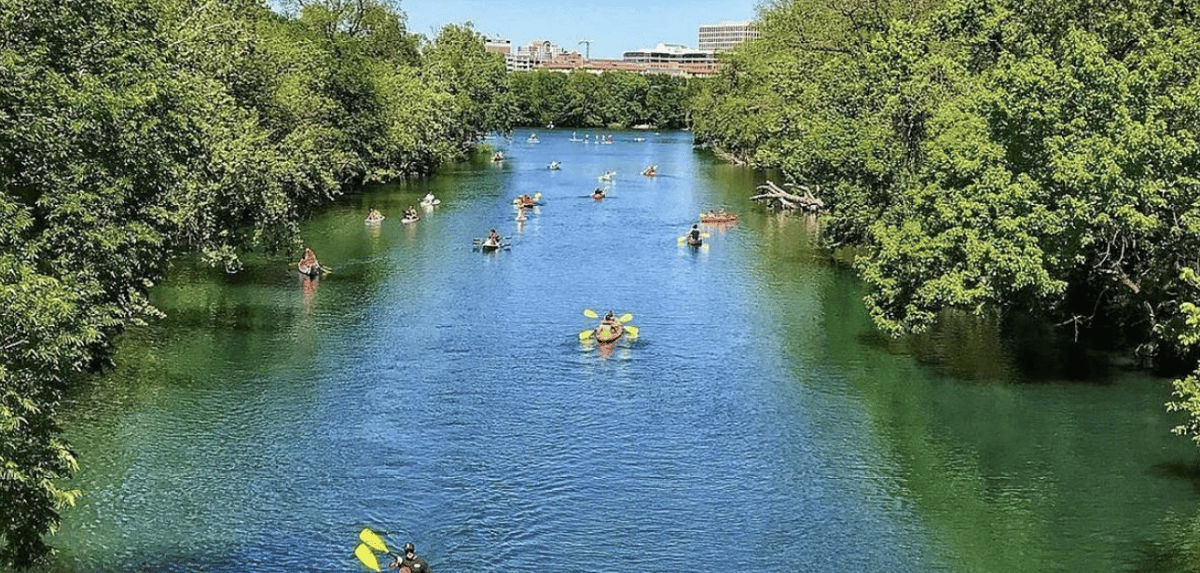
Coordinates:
1187 389
457 62
133 131
985 155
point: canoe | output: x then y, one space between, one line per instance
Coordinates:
609 332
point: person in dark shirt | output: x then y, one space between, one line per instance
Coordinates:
410 561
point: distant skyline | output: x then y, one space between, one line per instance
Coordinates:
613 26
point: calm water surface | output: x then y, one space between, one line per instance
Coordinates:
442 394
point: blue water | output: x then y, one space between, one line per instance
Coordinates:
442 394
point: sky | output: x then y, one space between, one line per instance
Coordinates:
612 26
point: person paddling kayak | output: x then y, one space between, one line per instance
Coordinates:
410 562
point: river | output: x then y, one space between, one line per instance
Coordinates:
442 394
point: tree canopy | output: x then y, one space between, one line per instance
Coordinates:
617 99
132 131
984 155
993 156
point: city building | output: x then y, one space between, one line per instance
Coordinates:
503 47
532 55
671 59
598 66
670 54
725 35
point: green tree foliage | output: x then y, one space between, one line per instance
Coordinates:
1187 389
458 63
986 155
540 97
612 99
135 130
46 335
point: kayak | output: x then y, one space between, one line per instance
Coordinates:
718 218
311 271
528 201
410 219
308 266
488 244
694 242
609 332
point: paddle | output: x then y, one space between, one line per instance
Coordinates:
590 313
586 334
368 558
625 318
631 331
373 540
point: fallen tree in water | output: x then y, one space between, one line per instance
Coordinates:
777 198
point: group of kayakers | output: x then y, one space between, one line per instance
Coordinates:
309 265
374 216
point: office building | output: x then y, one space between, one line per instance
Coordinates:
725 35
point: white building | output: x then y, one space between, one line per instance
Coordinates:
670 54
727 34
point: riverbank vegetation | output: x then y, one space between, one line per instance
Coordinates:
617 99
132 131
1013 155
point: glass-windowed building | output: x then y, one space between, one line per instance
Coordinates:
725 35
670 54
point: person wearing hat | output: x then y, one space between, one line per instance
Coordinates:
410 561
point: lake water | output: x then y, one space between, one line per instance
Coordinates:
443 394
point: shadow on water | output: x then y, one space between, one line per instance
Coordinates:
985 349
1182 470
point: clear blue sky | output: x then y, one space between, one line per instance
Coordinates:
613 26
